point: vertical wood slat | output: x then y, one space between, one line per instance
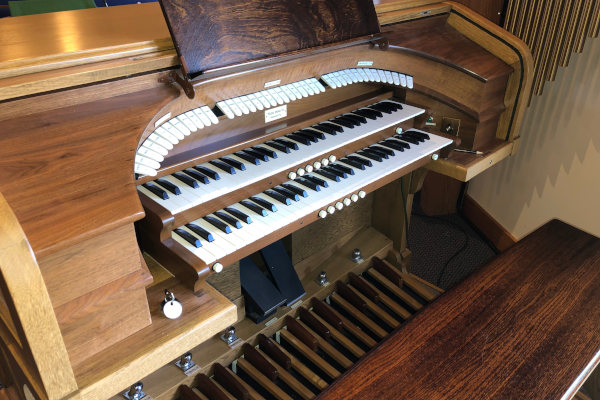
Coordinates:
553 30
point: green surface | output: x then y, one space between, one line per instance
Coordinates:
28 7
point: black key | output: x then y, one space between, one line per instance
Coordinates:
300 139
277 196
156 190
376 152
287 193
256 208
381 107
394 106
325 128
208 172
335 172
203 233
197 176
367 113
354 163
335 127
256 154
287 143
414 135
277 146
383 150
364 162
370 155
295 189
308 184
264 203
421 134
342 168
403 144
248 157
217 223
408 139
316 180
238 214
266 152
169 186
356 117
318 135
309 136
392 145
229 219
327 174
234 163
188 237
347 122
185 179
223 167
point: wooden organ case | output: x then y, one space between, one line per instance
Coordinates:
99 126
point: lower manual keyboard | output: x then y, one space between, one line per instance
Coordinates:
217 235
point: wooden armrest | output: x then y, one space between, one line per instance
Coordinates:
523 326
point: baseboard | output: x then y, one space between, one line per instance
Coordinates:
495 233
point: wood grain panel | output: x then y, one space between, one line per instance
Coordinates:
524 326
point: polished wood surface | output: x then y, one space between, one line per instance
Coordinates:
234 32
523 326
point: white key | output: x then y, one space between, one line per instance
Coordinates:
356 75
148 162
217 251
270 98
236 110
381 74
173 130
301 89
165 144
276 96
396 78
363 74
147 152
282 94
187 122
350 73
246 100
329 81
409 81
165 134
340 79
238 102
288 92
203 117
312 86
225 109
402 80
211 115
195 120
256 102
346 77
200 252
295 91
143 170
318 85
177 123
390 78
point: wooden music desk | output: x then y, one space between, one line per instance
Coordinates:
525 326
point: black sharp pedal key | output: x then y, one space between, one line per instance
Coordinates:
342 168
248 157
354 163
361 160
381 154
310 136
197 176
198 230
287 143
234 163
238 214
308 184
318 181
185 179
278 196
254 207
188 237
208 172
264 203
223 166
278 146
300 139
287 193
254 153
228 219
156 190
334 171
217 223
169 186
392 145
357 117
370 155
327 174
266 152
383 150
295 189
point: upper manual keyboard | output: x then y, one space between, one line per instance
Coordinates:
193 186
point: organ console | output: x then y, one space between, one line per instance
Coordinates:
141 161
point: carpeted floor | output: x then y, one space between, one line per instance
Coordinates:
445 249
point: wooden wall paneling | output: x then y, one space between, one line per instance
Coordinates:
24 290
